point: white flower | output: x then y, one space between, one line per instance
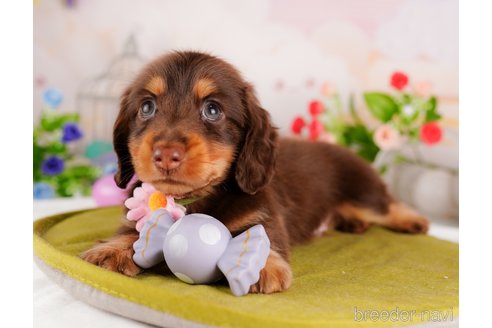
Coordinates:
408 110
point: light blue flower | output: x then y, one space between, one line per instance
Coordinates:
43 190
52 97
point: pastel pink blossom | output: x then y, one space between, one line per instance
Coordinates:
423 88
327 89
387 137
139 209
327 137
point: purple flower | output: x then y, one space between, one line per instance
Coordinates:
71 132
53 165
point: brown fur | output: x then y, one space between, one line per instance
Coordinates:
244 174
115 254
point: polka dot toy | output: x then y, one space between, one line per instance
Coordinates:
199 249
191 235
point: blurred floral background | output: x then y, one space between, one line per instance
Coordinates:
380 77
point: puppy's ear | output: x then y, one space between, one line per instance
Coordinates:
121 131
256 160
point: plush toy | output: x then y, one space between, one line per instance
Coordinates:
198 248
147 199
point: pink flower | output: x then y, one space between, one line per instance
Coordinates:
399 80
386 137
315 130
327 89
297 125
139 209
423 88
430 133
316 107
327 137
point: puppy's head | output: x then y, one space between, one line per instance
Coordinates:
188 122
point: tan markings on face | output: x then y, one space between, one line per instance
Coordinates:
141 153
205 161
205 164
204 88
156 85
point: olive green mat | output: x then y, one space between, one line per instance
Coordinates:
340 280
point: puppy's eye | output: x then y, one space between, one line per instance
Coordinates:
147 109
211 111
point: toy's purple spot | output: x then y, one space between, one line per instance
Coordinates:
209 234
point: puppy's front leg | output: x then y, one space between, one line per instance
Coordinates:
276 276
116 253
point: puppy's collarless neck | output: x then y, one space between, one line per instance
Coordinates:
187 201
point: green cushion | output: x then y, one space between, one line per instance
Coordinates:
334 277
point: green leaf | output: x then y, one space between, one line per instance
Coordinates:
84 172
369 152
431 104
51 121
38 156
431 113
383 169
353 111
77 179
381 105
360 139
56 148
406 98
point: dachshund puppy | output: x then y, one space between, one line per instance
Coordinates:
191 126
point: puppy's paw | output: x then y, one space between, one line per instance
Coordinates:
352 225
413 225
405 219
115 255
276 276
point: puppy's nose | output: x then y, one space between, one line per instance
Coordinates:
168 157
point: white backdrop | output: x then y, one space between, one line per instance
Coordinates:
287 48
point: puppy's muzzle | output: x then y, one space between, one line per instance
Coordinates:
168 157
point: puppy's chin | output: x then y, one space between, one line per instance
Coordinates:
180 190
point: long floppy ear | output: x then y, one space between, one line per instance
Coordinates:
256 160
121 132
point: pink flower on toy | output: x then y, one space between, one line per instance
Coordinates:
145 200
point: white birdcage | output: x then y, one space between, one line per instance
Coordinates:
98 98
